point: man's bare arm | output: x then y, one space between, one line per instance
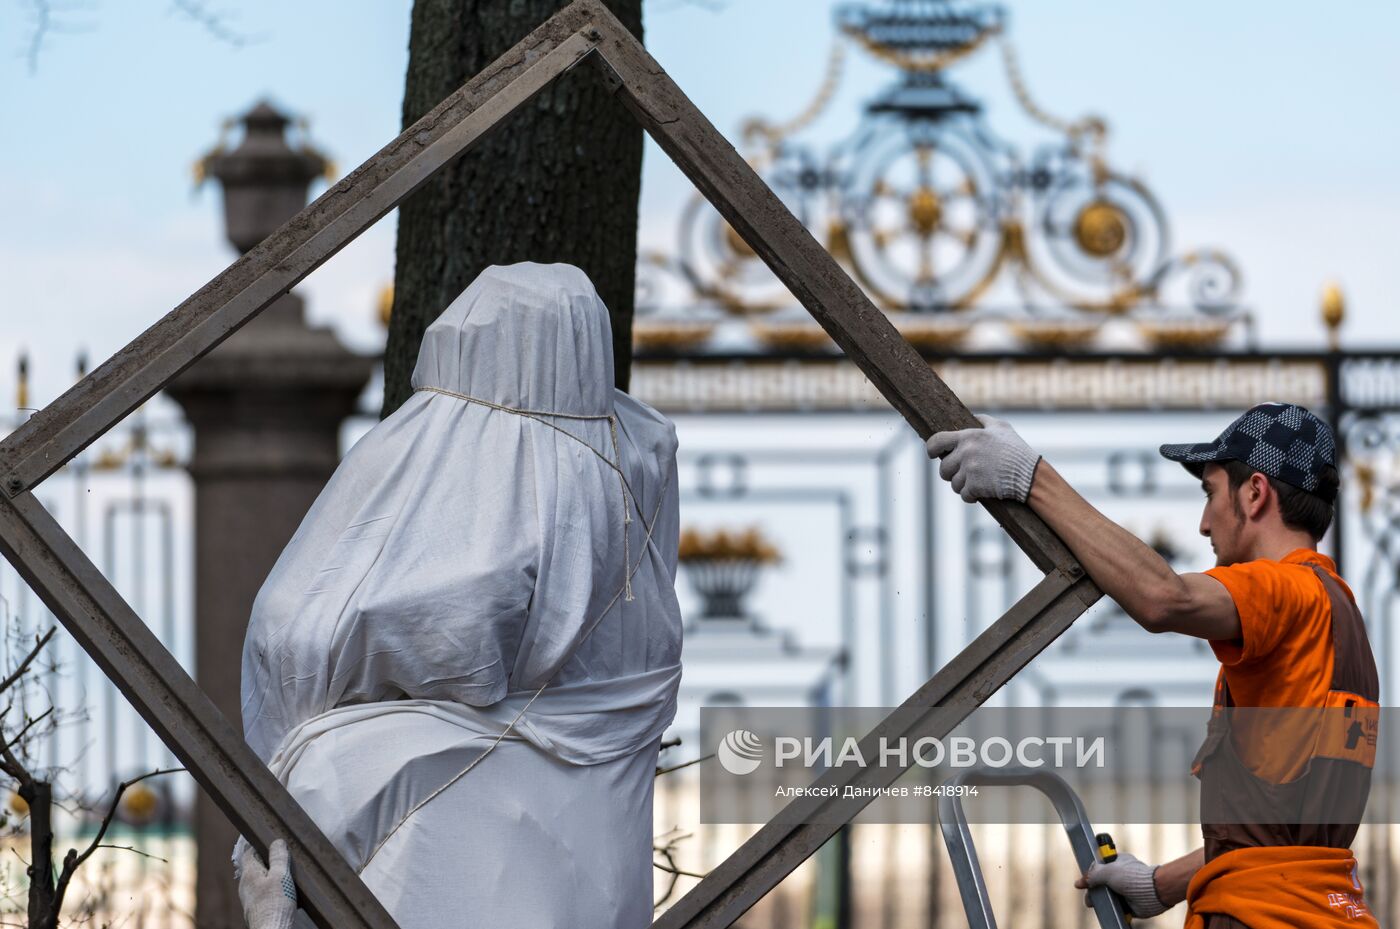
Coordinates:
1174 877
1128 570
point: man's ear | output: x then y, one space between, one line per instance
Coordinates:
1257 492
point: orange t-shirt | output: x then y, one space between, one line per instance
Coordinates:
1284 655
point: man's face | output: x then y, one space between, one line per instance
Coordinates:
1223 519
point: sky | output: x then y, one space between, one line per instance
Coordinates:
1266 129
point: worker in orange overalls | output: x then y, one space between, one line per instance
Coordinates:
1288 634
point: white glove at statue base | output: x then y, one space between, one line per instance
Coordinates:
268 894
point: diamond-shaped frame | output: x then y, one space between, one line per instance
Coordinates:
185 719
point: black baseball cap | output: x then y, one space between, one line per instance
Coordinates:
1279 440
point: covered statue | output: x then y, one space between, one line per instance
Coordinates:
463 662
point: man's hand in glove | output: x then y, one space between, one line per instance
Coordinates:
268 894
1130 879
991 462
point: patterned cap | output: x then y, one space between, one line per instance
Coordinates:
1280 440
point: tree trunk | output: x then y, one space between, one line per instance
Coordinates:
558 183
43 908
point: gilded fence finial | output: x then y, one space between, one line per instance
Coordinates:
1334 308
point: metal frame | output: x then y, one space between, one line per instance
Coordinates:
170 701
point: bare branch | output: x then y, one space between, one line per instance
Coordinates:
667 850
19 736
670 888
15 768
18 672
684 764
712 6
45 17
42 16
73 860
75 810
672 869
10 762
128 848
216 24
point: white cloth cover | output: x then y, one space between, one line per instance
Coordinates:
461 558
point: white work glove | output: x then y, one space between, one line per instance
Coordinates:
991 462
268 895
1130 879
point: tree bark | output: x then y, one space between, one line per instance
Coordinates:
559 181
43 907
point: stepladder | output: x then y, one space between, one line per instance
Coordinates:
1086 847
